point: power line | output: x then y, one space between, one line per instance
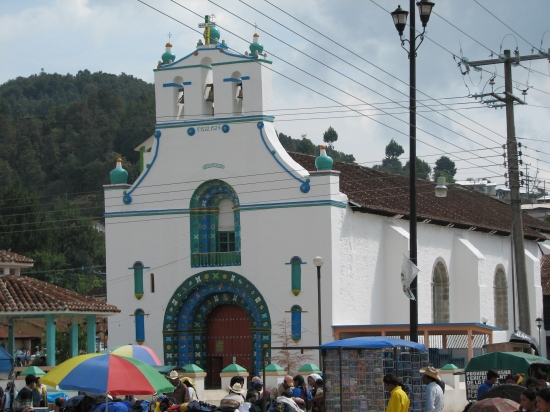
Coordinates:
321 94
488 11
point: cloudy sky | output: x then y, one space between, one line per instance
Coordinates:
350 53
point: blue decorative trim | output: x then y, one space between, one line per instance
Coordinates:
191 131
214 120
304 188
244 208
192 66
225 128
236 80
240 56
127 199
180 85
177 61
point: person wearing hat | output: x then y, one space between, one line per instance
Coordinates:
180 393
234 399
434 393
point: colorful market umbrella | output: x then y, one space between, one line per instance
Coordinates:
103 373
494 405
139 352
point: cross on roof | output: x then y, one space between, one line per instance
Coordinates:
255 27
169 36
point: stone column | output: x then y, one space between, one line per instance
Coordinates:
198 375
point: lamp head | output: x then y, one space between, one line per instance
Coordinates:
399 17
484 320
441 189
539 322
318 261
425 10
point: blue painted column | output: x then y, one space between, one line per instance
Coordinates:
11 338
91 333
50 340
74 340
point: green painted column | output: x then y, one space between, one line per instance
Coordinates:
11 337
74 340
50 340
91 333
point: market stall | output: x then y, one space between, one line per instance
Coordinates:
353 370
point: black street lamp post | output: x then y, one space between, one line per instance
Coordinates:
400 20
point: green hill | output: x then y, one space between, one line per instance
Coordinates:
37 94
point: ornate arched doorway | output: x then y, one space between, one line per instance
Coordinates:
186 326
228 340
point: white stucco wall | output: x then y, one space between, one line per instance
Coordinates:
362 252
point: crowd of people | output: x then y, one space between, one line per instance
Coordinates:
535 397
32 395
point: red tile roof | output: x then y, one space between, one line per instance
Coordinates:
383 193
24 294
14 257
19 334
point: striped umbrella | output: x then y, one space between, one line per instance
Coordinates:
139 352
103 373
495 405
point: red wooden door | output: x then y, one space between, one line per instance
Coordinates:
230 338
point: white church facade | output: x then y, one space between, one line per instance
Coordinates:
212 246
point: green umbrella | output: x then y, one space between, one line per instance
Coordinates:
33 370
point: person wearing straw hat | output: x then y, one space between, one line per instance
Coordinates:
234 399
181 392
434 393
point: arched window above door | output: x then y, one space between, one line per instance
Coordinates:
215 225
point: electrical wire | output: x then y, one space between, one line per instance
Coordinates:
321 94
520 36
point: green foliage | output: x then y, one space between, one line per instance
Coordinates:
330 136
447 176
37 94
339 156
391 163
306 146
444 164
394 150
63 343
423 169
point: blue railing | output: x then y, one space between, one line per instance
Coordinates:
215 259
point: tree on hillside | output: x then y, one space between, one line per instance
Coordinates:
444 164
391 162
423 169
330 136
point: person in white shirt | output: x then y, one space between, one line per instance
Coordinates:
434 393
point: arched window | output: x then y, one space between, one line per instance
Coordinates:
296 322
215 225
501 299
440 294
139 316
296 274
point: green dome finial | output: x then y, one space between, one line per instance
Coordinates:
323 162
118 175
256 45
168 56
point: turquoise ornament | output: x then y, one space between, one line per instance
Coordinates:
323 162
118 175
256 46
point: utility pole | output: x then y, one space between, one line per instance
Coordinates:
514 177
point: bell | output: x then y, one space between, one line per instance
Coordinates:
181 99
210 97
240 94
